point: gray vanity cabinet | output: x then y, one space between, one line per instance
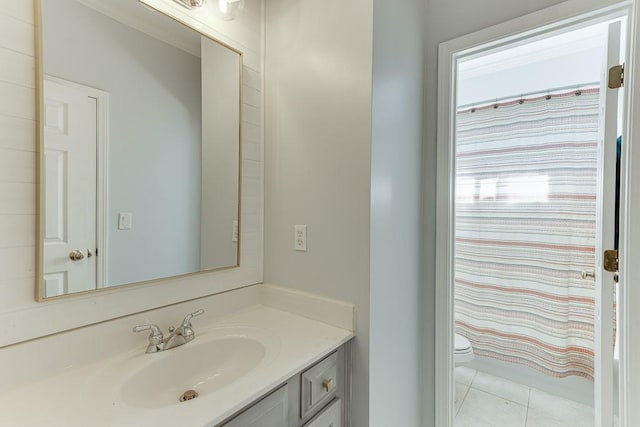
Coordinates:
318 396
329 417
270 411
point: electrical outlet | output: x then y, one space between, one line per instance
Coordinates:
300 238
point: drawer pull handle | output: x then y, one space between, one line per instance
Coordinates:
327 384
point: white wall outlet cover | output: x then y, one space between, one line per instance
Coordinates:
125 221
300 238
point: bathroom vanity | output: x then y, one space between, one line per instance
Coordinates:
257 366
160 217
141 221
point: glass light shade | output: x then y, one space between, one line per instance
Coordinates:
230 9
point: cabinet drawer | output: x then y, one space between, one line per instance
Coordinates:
319 384
329 417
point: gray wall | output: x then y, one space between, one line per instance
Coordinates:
332 166
445 20
318 151
396 253
154 151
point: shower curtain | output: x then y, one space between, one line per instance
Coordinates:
526 179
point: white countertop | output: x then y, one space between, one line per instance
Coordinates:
91 394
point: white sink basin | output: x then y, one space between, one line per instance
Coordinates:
204 367
231 363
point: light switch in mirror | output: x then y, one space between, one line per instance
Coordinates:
139 127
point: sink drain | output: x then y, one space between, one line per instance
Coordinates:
188 395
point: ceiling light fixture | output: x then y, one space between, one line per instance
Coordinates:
191 4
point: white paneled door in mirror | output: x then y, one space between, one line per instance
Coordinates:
140 122
69 189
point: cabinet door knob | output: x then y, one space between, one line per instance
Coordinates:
76 255
327 384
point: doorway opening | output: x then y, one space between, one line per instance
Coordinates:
534 142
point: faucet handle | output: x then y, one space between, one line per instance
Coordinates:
187 320
155 337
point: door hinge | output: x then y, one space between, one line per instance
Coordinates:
616 77
611 260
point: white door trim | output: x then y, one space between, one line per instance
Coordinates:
630 238
574 14
605 229
102 173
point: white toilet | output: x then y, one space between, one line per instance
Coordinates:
463 350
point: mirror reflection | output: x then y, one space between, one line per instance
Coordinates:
140 131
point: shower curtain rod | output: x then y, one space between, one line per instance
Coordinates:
481 104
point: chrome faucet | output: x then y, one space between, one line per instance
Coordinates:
156 342
179 336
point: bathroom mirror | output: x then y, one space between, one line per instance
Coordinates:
139 143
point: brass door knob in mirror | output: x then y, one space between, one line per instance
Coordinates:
76 255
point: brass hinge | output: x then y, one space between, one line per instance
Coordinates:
611 260
616 77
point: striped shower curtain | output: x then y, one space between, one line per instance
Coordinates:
526 176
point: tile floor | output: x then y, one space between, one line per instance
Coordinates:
483 400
